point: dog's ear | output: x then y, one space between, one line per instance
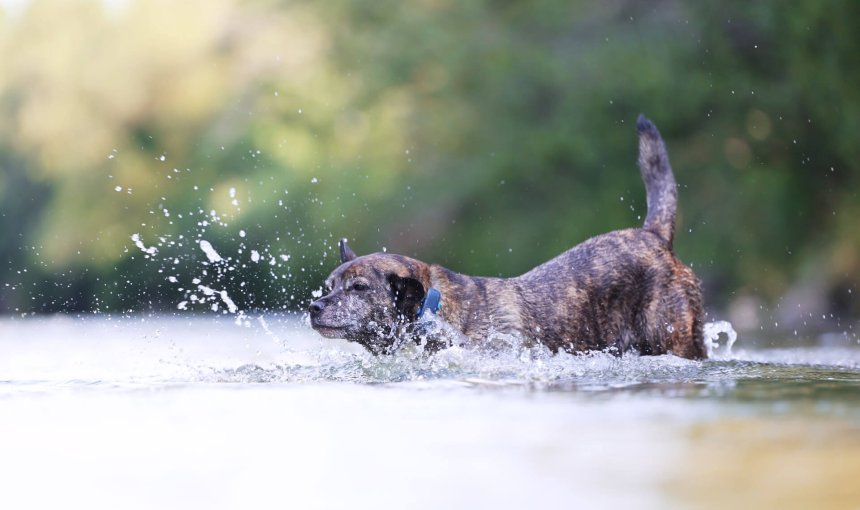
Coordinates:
408 294
346 254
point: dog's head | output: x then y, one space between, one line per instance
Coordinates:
370 298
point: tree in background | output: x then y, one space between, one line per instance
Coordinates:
484 136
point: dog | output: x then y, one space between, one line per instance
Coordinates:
621 291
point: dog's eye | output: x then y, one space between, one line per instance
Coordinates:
360 286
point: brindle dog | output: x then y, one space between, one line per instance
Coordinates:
621 291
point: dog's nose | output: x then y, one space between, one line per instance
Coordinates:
316 307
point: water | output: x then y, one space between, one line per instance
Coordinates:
143 412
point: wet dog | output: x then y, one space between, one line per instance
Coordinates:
621 291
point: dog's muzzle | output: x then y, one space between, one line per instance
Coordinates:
319 323
316 308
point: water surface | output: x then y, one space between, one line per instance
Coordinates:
155 412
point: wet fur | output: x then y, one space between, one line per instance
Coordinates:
624 290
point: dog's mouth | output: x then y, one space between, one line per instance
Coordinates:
329 330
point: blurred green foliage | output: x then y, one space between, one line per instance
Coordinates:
485 136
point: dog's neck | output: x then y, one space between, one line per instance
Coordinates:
476 305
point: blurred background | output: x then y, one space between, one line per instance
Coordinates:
484 136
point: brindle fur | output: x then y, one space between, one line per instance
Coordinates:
624 290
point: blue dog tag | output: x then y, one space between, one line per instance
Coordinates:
432 303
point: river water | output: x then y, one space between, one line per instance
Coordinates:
198 412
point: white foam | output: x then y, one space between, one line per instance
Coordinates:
712 333
229 302
209 291
210 252
152 250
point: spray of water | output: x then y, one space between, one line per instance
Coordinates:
499 360
712 332
213 278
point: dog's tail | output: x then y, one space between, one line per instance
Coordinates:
660 187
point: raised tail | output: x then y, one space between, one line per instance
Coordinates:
660 186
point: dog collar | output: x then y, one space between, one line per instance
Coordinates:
432 303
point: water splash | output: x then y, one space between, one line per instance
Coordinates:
149 251
712 332
505 362
210 252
